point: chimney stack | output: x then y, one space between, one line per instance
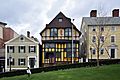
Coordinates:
28 34
93 13
115 13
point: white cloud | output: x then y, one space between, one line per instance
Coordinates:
33 15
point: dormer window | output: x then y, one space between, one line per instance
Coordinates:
60 19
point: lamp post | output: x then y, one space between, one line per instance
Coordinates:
91 53
72 44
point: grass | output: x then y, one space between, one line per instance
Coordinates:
107 72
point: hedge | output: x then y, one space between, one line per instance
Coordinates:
60 67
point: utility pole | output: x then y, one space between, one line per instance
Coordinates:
72 44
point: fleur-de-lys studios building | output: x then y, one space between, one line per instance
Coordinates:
60 42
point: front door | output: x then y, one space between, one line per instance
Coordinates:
31 62
112 53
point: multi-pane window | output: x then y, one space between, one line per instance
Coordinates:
60 19
68 32
102 51
69 50
101 38
93 51
113 28
49 45
102 28
93 39
10 49
21 49
112 38
58 55
53 32
21 61
32 49
10 61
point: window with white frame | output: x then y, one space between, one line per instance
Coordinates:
53 32
102 51
32 48
12 61
101 38
10 49
21 61
101 28
93 51
93 39
112 38
21 49
68 32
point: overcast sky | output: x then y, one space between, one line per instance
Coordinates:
33 15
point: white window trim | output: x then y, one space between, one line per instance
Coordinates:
92 39
30 47
22 63
114 39
9 48
104 39
92 51
21 50
115 51
103 51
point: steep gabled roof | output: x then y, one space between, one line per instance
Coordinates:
66 22
20 36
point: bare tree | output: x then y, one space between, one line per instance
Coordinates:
100 23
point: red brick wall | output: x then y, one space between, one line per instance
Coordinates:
8 34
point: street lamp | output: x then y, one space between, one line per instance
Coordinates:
91 53
10 61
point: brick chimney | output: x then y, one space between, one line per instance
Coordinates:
115 13
28 34
93 13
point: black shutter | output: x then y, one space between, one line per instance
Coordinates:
29 49
35 49
7 61
13 49
24 49
18 61
24 62
13 62
7 49
19 49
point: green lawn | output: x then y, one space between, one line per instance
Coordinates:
111 72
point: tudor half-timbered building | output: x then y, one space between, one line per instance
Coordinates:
57 39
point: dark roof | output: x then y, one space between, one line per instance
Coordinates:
101 20
3 23
64 24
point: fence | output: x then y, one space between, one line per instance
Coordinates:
60 67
